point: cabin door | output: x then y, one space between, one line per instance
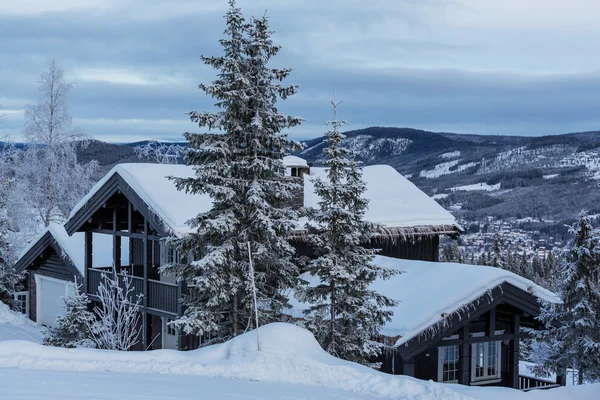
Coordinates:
169 335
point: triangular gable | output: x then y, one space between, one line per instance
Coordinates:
38 249
111 185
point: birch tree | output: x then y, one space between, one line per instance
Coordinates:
345 314
50 179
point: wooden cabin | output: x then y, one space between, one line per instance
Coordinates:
456 323
125 216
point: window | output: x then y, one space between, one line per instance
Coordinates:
170 329
485 361
22 299
448 364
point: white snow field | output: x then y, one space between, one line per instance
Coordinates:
290 365
15 326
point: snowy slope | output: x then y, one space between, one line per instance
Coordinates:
15 326
290 365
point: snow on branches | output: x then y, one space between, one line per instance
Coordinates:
572 329
241 168
345 314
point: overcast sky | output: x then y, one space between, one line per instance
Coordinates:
471 66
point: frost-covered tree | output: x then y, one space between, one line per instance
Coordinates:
451 253
10 281
525 268
345 313
241 168
49 179
551 272
497 259
117 322
572 329
160 152
73 328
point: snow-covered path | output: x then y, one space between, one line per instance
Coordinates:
18 384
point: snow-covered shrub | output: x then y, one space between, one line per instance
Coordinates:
73 328
117 324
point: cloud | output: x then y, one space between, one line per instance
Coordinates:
446 65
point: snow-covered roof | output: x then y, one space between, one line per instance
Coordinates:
73 246
395 202
294 161
428 290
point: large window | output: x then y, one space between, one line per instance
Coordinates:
485 361
448 357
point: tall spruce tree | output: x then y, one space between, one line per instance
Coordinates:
572 329
241 168
345 314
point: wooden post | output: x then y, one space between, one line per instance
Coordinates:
147 263
490 322
88 260
116 242
465 357
513 354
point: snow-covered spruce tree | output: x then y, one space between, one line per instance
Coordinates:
551 272
117 322
241 168
572 329
73 328
497 259
45 177
345 314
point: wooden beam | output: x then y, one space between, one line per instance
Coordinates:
490 322
116 242
147 263
88 259
513 353
465 357
477 339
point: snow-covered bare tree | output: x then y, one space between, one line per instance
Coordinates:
160 152
73 328
117 324
572 329
50 179
345 313
241 168
10 281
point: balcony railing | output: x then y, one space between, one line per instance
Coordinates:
161 296
527 383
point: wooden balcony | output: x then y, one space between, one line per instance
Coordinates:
161 296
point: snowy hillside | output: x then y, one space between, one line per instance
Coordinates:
290 362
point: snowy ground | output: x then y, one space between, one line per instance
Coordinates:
15 326
475 187
290 365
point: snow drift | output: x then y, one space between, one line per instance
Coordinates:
16 326
289 354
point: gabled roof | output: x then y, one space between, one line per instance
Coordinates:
69 248
431 292
394 201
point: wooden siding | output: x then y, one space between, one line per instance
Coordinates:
423 247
